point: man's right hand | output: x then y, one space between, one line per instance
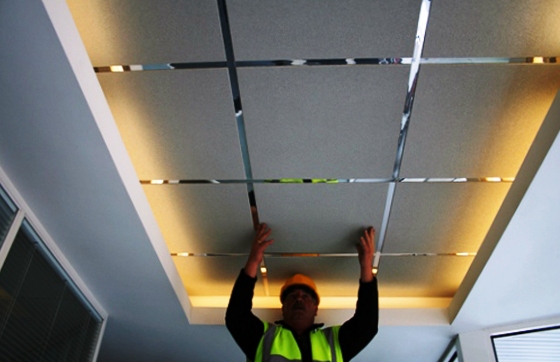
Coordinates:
260 243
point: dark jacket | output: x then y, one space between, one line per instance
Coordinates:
247 329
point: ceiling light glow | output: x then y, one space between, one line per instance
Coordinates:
183 254
116 68
493 179
156 182
538 60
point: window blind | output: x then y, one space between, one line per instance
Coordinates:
41 316
7 213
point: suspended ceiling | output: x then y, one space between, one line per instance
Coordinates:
61 149
215 100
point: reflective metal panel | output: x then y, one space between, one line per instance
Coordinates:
433 277
178 124
202 218
319 218
325 29
498 28
476 121
442 217
146 32
323 122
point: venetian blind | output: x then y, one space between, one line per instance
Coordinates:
7 213
42 318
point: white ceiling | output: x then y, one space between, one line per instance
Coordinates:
468 120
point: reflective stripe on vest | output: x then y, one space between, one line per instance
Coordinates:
279 345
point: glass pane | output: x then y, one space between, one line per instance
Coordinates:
536 346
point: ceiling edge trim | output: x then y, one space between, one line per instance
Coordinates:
79 61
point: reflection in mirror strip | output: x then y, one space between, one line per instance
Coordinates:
116 68
318 255
492 179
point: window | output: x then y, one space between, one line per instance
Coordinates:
537 345
7 213
43 315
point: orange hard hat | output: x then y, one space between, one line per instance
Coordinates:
299 280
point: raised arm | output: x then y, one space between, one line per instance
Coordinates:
359 330
243 325
260 243
366 251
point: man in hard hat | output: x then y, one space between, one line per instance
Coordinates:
296 337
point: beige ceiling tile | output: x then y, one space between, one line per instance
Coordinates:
334 276
442 217
433 276
327 29
319 218
211 276
148 32
476 120
202 218
498 28
323 122
176 124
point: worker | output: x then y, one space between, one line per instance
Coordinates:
297 337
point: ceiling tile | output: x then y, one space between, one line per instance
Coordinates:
435 277
319 218
442 217
176 124
203 218
334 276
323 122
476 120
327 29
211 276
148 32
498 28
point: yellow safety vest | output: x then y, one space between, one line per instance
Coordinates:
279 345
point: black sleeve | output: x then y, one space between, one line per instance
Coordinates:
245 328
356 333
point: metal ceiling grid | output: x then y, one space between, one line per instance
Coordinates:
298 127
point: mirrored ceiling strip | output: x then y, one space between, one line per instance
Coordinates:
405 120
336 181
234 83
317 255
466 61
326 62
